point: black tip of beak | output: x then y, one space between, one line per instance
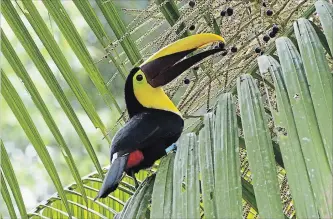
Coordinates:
163 70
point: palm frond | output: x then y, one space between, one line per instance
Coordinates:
22 115
9 173
29 44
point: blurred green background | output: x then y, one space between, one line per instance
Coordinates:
33 179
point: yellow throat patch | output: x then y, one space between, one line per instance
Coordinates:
151 97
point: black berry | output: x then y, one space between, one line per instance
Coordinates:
233 49
275 28
230 11
221 45
216 47
191 4
192 27
269 12
223 13
272 34
266 38
186 81
257 50
225 52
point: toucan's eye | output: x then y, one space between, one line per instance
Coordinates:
139 77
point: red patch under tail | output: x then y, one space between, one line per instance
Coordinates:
134 159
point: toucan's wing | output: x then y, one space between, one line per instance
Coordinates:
145 129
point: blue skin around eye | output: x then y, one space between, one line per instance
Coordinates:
171 147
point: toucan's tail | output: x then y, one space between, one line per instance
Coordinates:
113 177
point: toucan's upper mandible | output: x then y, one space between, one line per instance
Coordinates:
166 64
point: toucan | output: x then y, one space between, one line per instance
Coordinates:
154 121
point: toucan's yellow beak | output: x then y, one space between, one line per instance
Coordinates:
166 64
186 44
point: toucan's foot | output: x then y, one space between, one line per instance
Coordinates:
172 147
175 148
136 183
135 180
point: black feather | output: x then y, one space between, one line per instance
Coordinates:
113 177
132 104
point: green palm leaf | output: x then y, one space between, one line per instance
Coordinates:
6 196
113 18
96 26
22 33
8 172
22 115
18 67
73 38
52 47
289 141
